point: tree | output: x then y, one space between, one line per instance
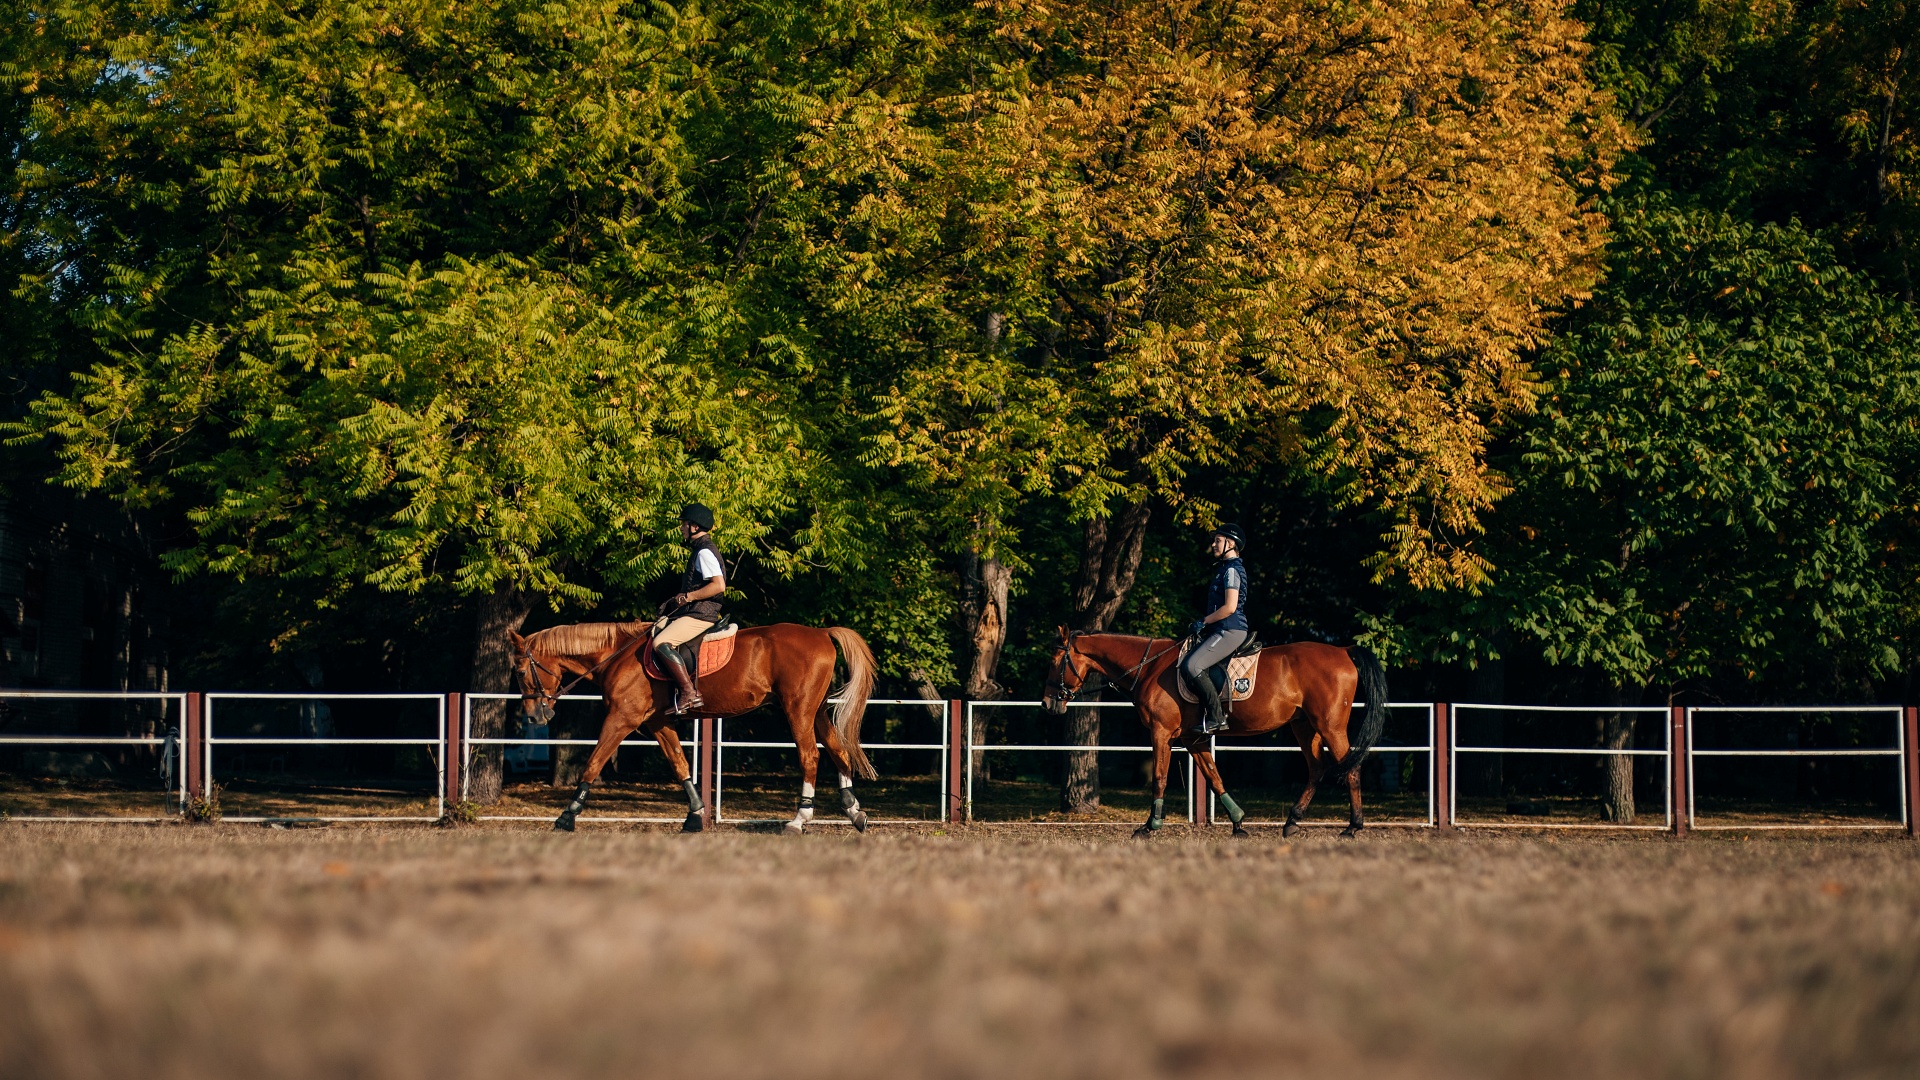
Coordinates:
1714 480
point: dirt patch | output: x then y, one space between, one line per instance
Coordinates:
920 951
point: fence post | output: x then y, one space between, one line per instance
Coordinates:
1442 758
954 807
705 732
454 752
1198 791
1679 742
1910 765
193 746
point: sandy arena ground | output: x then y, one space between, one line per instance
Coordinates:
995 951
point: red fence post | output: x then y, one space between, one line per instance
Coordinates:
705 731
1678 758
1198 790
954 805
1442 767
454 747
1910 765
193 746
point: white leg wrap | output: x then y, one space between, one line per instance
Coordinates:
805 815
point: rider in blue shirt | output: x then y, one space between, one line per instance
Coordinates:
1224 628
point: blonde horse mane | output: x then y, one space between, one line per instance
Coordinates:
580 639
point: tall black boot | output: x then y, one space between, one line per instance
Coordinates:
1214 716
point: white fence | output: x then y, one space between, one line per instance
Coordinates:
196 719
169 745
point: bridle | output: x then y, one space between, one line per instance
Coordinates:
545 700
1057 678
1056 685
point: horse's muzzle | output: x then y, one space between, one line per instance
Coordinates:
541 713
1055 705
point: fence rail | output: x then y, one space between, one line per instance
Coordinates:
192 732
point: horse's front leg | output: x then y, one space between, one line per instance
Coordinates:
1200 746
663 732
1162 761
618 725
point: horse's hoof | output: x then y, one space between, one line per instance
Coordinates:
696 822
859 819
794 828
1290 829
563 823
1351 831
1241 830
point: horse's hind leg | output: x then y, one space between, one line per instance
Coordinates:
800 720
1354 822
824 732
1202 752
1304 732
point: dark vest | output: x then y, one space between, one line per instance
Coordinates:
1217 595
693 579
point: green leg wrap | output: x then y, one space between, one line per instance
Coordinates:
1234 813
1158 817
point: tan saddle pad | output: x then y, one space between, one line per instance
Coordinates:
715 650
1242 673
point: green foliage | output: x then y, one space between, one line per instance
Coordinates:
1713 479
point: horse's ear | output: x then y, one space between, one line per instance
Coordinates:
518 641
1065 634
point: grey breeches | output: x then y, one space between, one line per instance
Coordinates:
1212 649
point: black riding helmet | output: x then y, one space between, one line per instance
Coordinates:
697 516
1233 533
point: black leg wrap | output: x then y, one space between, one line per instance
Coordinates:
847 801
693 795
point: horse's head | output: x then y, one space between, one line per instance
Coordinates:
1066 675
539 678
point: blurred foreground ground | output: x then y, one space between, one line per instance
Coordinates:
509 951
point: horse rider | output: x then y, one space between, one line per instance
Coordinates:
694 609
1224 628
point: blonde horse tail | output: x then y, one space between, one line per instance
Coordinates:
852 706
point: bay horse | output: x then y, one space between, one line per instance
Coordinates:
1306 686
786 663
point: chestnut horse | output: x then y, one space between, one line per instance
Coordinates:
1307 686
786 663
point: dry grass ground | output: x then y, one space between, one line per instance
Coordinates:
513 952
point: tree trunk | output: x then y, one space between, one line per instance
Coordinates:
983 612
1110 553
506 608
1617 733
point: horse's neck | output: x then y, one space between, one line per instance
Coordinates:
1120 657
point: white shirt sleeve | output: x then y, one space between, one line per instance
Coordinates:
709 565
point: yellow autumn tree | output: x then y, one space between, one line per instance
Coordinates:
1126 240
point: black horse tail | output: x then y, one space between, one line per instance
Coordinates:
1363 731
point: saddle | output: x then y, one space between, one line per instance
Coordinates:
1233 678
703 655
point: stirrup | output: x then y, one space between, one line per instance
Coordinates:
687 704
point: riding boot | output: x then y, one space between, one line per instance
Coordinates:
687 701
1215 715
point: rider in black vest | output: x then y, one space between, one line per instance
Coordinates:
1224 628
694 609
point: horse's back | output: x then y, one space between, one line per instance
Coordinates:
1324 673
